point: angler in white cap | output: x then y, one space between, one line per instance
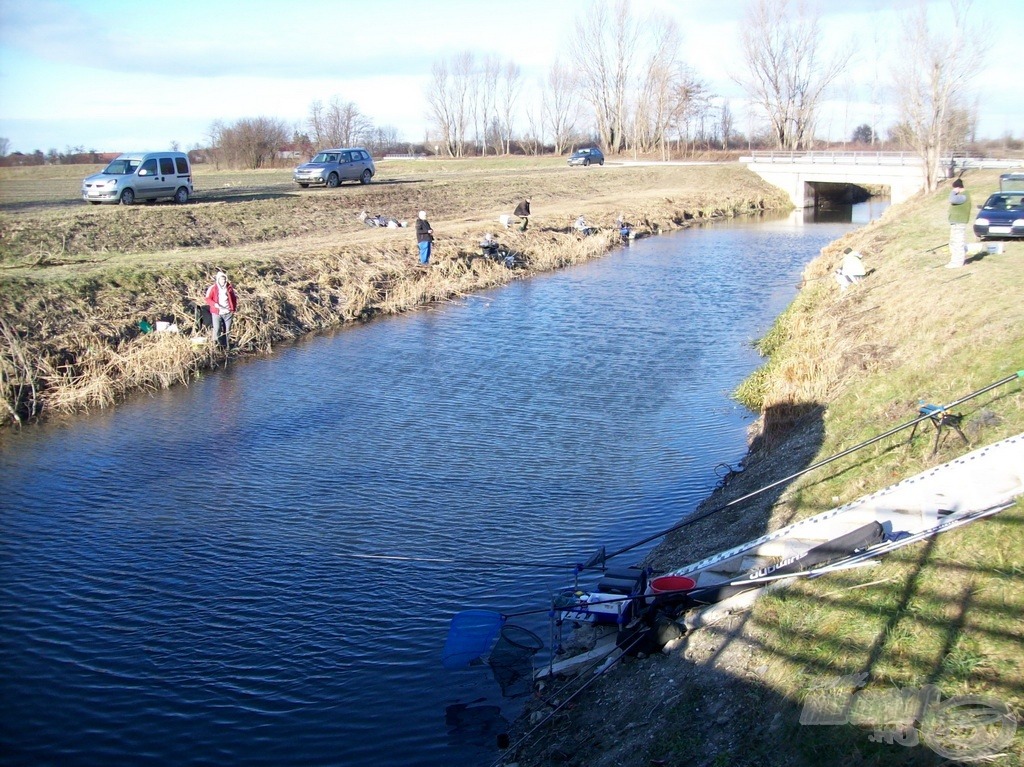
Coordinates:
424 237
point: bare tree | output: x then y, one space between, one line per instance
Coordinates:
383 139
251 142
462 78
931 79
509 88
442 108
656 103
603 46
216 152
338 124
692 103
559 106
787 70
486 100
532 140
448 98
5 146
726 122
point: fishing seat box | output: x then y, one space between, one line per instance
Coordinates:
625 582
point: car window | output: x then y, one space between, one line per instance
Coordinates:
167 166
149 166
182 164
346 157
332 158
120 168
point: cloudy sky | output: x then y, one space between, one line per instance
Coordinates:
114 75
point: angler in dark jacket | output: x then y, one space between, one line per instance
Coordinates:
523 211
424 237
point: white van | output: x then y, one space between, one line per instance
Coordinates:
145 176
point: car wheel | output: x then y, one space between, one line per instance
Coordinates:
601 163
332 180
128 197
586 162
365 178
181 196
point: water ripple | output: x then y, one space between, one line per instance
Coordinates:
179 581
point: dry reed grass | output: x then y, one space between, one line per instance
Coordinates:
77 281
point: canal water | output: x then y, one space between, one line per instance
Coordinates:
183 579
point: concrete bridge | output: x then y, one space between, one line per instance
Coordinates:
804 174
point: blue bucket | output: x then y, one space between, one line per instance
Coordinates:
471 634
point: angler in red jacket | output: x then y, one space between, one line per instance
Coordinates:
222 300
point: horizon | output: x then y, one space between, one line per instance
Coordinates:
80 74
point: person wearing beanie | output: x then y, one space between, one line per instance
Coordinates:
424 237
959 217
222 300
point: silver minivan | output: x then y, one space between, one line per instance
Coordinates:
147 176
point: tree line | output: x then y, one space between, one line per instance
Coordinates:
622 83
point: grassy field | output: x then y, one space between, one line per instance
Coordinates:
76 280
949 613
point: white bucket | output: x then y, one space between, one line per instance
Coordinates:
994 248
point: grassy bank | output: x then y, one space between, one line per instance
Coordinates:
843 367
76 280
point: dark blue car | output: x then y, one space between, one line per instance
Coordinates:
587 156
1002 215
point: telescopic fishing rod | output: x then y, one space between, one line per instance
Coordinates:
598 561
447 560
609 664
923 417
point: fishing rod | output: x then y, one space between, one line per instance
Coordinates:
857 559
445 560
924 416
609 664
598 561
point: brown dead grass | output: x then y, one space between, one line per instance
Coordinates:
76 280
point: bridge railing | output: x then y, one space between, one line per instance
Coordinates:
835 158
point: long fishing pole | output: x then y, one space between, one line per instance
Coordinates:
598 562
924 416
446 560
852 560
610 663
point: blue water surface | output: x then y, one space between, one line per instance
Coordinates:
180 577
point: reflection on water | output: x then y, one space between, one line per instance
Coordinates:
181 581
859 213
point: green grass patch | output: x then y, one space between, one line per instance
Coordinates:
947 612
